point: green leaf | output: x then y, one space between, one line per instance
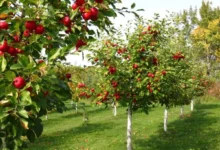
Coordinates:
31 136
10 75
109 13
26 98
3 63
16 66
23 113
133 5
54 53
2 2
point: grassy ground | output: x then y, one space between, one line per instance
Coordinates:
199 130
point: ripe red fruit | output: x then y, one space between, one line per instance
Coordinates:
26 33
164 72
135 66
114 84
80 2
3 25
82 9
87 15
30 25
16 38
81 85
79 44
150 75
19 51
74 6
95 13
4 46
12 51
46 93
66 21
98 1
68 75
96 59
29 89
1 53
112 70
40 61
117 96
19 82
39 29
155 61
92 90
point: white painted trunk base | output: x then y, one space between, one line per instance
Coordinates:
181 111
76 108
165 119
192 105
46 117
129 121
115 110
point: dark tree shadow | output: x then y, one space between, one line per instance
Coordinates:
193 132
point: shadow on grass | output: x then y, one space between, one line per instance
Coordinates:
62 137
193 132
72 114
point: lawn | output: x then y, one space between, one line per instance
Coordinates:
199 130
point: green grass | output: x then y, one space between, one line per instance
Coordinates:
199 130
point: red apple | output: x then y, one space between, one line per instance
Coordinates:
12 51
135 66
3 25
92 90
87 15
68 75
74 6
26 33
4 46
80 43
80 2
82 9
30 25
112 70
95 13
155 61
19 51
66 21
40 61
114 84
39 29
81 85
19 82
98 1
164 72
16 38
30 89
1 53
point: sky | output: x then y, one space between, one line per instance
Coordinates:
150 6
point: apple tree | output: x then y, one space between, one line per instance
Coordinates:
34 37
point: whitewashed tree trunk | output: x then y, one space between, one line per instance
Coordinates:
71 104
76 108
181 110
114 110
129 121
192 105
165 119
46 117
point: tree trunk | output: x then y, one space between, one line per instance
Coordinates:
192 105
46 117
181 111
114 110
76 108
129 121
165 119
71 104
